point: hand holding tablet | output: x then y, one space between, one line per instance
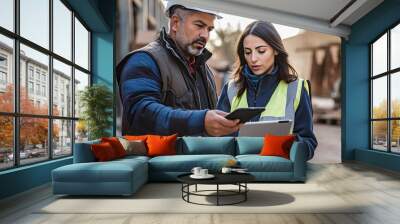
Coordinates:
245 114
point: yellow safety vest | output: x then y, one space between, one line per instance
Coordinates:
282 104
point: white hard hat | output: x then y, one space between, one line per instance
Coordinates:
186 5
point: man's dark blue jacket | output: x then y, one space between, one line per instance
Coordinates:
140 90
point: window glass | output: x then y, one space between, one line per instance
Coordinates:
6 74
395 136
379 98
81 131
395 95
7 14
62 141
379 135
379 56
33 139
81 81
395 47
62 29
35 21
81 45
62 91
39 62
6 142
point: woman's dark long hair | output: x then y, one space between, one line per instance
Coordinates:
267 32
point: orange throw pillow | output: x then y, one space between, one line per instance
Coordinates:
277 145
116 145
103 152
136 137
161 145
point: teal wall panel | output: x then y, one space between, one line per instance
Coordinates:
24 178
355 100
377 158
355 89
103 56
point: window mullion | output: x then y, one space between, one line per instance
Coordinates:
73 83
371 96
50 81
16 84
389 105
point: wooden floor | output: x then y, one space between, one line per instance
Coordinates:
377 188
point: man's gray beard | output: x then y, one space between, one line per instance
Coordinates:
190 50
194 51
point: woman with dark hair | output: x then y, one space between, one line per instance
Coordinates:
264 78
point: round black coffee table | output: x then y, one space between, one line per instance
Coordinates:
238 179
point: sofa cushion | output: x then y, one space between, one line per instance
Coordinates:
275 145
161 145
249 145
185 163
135 137
103 152
207 145
257 163
116 145
129 159
83 152
134 147
118 177
116 170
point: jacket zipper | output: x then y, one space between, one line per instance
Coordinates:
256 94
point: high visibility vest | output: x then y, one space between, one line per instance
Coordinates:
281 106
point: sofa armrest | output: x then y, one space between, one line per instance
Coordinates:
298 155
83 152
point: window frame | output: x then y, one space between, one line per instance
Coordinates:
16 114
388 74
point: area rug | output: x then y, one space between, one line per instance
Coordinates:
167 198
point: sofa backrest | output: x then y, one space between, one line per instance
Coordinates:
249 145
190 146
83 152
206 145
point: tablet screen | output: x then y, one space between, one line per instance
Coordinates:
245 114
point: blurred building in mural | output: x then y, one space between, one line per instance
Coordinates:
316 57
138 23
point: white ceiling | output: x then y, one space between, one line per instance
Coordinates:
313 15
321 9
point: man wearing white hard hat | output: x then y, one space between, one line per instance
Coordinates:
166 86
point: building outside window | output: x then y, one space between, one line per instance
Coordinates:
43 90
37 75
30 87
30 72
385 95
3 71
38 89
3 77
43 77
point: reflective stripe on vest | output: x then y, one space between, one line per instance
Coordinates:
282 104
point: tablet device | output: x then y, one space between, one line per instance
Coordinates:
245 114
260 128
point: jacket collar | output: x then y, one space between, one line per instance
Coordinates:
170 45
252 79
247 71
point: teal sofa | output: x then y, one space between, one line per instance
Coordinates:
125 176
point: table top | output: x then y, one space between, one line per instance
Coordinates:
220 178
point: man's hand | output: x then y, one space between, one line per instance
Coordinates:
216 124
